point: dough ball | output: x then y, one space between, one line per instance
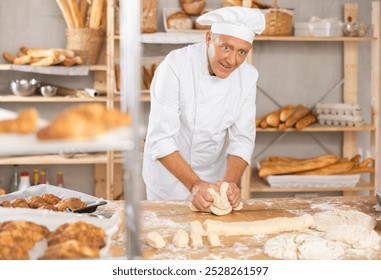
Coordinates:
358 237
328 219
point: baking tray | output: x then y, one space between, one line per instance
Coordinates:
313 181
92 202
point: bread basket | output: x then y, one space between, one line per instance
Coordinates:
278 21
193 7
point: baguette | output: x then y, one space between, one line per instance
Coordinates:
68 62
282 126
50 60
259 120
42 53
24 50
83 9
300 112
305 121
96 14
271 168
117 76
366 162
356 159
22 60
357 170
147 77
286 113
8 57
263 124
75 14
333 169
64 7
272 119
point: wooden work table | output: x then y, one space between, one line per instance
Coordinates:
166 217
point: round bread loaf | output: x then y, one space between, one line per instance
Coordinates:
179 21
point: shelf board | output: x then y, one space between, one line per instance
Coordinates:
81 70
198 36
259 185
55 159
321 129
313 39
42 99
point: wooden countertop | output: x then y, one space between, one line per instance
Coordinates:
166 217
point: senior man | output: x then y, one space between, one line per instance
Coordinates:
201 128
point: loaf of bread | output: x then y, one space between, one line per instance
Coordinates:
300 112
337 168
275 168
305 121
179 21
286 113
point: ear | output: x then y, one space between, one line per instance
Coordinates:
208 37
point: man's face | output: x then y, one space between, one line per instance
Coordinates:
225 54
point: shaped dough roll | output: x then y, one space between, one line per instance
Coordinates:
155 240
269 226
181 239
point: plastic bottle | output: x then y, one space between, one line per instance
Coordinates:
42 177
15 179
24 181
60 180
36 177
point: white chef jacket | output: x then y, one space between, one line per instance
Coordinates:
195 113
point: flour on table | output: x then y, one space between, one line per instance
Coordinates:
359 237
328 219
302 247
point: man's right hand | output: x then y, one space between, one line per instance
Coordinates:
201 199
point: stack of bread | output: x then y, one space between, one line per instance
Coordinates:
328 164
289 116
43 57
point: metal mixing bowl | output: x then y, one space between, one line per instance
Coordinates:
24 87
48 91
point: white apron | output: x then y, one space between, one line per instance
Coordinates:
192 112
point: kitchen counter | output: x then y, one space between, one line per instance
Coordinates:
166 217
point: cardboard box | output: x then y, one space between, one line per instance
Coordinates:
318 29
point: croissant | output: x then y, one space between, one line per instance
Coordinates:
13 253
83 122
70 249
20 202
35 201
6 204
25 123
51 198
72 202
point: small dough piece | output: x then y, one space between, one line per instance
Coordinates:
181 239
196 227
359 237
196 239
269 226
302 247
155 240
328 219
214 240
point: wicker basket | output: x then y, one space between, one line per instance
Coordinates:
149 16
86 43
278 21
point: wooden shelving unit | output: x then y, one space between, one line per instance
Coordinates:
104 82
251 184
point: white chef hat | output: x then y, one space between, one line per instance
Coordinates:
235 21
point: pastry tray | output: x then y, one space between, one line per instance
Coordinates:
92 202
313 181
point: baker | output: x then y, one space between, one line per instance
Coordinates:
201 128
